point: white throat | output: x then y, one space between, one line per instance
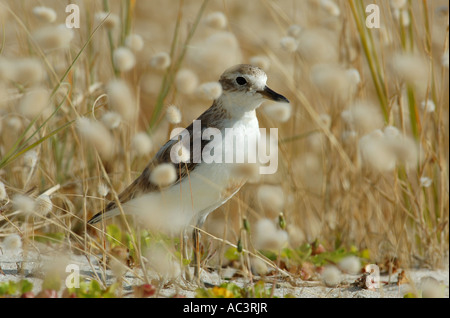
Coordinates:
240 104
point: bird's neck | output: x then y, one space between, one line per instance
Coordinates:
238 108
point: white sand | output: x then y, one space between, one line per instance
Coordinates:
31 266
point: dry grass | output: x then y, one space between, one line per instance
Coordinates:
341 183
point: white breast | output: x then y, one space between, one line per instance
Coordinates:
207 187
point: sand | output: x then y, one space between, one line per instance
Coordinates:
32 265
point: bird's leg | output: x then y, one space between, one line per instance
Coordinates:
200 221
186 254
196 240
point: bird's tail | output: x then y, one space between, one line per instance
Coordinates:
102 215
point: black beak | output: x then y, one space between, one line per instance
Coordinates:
270 94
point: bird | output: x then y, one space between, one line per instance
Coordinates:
199 187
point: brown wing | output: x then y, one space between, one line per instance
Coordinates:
142 184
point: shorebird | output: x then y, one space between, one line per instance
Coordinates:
199 187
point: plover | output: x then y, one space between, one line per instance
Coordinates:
199 187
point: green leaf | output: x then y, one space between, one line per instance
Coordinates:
110 292
114 235
12 288
186 261
4 288
49 237
52 281
25 286
95 290
304 250
202 293
287 253
233 288
365 254
232 254
269 254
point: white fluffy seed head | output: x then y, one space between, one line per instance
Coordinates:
375 153
289 44
173 114
97 135
326 120
268 237
134 42
186 81
53 37
160 61
163 262
407 151
111 119
425 182
398 4
216 20
431 287
350 265
280 112
330 7
30 159
428 106
445 60
34 102
43 205
209 90
14 123
28 71
403 147
296 235
362 117
141 144
102 189
353 76
3 193
402 16
110 20
410 68
391 133
121 99
45 14
317 46
349 137
123 59
24 204
214 54
331 276
294 30
316 142
260 61
12 243
259 267
163 175
271 197
334 81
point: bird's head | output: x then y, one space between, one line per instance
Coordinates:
244 88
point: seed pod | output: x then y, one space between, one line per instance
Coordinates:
239 245
246 224
281 221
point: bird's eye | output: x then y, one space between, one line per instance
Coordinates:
241 81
